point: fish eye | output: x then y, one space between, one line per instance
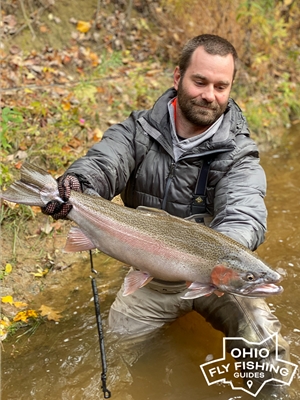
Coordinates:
250 277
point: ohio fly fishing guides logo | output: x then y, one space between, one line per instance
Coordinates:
251 367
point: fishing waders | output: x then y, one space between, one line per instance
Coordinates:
248 319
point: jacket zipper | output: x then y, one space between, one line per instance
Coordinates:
168 184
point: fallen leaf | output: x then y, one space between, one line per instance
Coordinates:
30 76
19 304
97 134
4 322
44 29
50 313
36 209
8 268
18 165
40 272
24 315
83 26
66 106
7 299
75 143
94 59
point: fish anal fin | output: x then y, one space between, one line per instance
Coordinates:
198 289
135 280
78 241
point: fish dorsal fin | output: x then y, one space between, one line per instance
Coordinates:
151 210
135 280
78 241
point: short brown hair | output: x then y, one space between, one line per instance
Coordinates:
212 44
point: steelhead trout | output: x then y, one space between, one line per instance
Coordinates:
155 243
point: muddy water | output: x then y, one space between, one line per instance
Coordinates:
62 360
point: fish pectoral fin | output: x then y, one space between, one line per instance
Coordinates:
135 280
197 289
78 241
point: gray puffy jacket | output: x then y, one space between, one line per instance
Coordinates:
135 158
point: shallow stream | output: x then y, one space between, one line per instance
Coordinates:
61 361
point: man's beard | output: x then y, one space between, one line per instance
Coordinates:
193 111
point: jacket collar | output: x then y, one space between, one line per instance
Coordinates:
157 124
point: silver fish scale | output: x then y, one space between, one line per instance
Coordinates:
176 233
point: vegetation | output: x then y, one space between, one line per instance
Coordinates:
266 36
65 79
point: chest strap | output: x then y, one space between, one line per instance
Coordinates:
198 206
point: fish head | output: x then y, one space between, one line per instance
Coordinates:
260 282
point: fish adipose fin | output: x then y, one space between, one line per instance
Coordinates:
197 289
78 241
135 280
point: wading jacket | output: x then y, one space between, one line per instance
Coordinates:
135 158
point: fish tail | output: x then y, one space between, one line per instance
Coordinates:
35 188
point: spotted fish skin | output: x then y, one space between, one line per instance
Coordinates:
155 243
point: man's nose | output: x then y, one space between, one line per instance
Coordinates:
208 94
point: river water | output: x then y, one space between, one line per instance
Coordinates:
62 360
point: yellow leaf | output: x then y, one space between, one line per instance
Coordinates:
5 322
30 76
21 316
3 334
40 272
7 299
50 313
66 106
83 26
19 304
32 313
8 268
24 315
97 134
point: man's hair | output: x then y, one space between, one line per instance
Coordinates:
212 44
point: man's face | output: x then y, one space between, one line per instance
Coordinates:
203 91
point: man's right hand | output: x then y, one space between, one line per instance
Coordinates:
57 210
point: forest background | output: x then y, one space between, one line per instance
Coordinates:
69 70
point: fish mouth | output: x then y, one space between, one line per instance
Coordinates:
263 290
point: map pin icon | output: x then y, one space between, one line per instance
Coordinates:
249 384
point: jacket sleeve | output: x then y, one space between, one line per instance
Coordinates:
239 206
108 164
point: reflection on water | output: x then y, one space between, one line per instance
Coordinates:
62 360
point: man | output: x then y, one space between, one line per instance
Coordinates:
194 133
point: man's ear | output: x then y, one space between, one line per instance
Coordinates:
176 77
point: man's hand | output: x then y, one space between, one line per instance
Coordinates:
57 210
